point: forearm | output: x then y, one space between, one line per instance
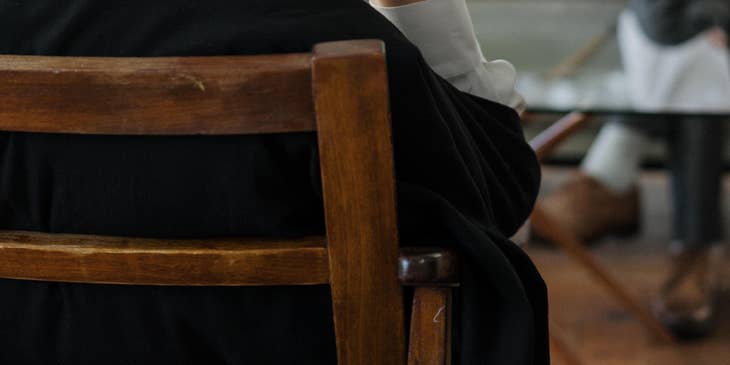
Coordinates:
443 31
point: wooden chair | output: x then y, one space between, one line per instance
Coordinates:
340 91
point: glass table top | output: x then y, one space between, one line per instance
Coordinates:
565 51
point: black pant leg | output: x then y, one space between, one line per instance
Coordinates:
695 158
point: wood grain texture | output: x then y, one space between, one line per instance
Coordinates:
156 96
431 321
121 260
353 120
345 82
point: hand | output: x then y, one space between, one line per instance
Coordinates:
718 37
393 3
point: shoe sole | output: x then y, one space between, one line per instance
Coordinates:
688 331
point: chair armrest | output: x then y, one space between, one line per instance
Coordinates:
428 266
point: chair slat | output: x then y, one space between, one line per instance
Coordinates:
156 96
118 260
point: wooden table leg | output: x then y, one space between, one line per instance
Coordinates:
546 142
576 250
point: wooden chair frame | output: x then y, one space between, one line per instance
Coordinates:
339 90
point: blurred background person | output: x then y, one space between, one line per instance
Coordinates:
675 55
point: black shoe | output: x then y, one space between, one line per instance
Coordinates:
687 302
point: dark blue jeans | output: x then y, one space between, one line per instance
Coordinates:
695 161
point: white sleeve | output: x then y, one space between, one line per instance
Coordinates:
443 31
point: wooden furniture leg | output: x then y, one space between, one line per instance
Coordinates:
577 251
544 144
434 274
431 320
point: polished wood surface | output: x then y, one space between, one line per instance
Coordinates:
358 186
426 266
340 90
435 274
221 261
158 96
431 325
123 260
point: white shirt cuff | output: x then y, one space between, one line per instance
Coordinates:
442 30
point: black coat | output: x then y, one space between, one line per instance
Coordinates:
465 178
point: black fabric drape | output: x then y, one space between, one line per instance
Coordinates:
466 178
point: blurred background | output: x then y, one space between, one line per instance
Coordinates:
537 37
568 59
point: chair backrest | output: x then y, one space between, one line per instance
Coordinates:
338 90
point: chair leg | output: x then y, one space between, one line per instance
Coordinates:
431 320
572 246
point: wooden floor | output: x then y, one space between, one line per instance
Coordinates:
593 322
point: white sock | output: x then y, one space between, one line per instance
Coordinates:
614 159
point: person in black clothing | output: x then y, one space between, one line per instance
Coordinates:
465 178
